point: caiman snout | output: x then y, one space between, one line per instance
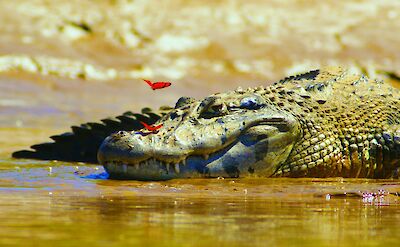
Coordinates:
129 155
213 138
120 146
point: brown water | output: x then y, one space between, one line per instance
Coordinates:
47 203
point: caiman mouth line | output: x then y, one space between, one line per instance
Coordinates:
170 166
177 166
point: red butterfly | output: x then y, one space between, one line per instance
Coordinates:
151 127
158 85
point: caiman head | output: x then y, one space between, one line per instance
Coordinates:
239 133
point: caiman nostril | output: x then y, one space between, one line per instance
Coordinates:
121 134
117 136
122 146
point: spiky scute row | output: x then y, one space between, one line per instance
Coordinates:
82 144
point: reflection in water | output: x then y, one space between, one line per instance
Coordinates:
58 206
103 175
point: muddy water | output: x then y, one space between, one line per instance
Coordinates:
61 204
51 203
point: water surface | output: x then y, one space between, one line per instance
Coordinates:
50 203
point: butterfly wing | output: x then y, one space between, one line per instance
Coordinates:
149 82
159 85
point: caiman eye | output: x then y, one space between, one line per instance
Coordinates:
213 111
211 108
250 103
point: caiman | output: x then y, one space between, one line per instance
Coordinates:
323 123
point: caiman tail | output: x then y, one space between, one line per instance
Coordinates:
82 143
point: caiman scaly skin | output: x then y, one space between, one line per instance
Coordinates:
324 123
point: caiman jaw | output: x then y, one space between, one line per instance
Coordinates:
131 155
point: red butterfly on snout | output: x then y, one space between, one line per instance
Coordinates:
151 127
157 85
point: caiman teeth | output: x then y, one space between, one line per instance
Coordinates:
137 166
184 162
176 168
125 168
206 156
167 166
